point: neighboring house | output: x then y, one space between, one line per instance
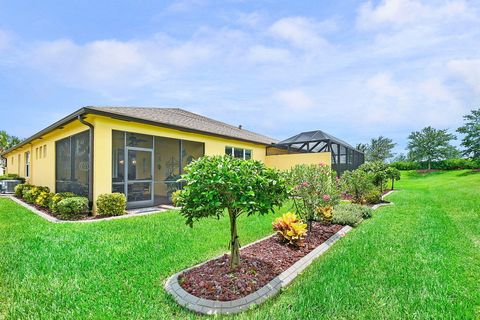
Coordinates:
142 151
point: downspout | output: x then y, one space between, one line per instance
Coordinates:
90 158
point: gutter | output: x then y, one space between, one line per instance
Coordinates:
90 156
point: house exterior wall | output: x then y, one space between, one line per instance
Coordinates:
42 168
287 161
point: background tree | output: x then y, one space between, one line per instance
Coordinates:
362 147
380 149
430 144
7 141
215 185
471 130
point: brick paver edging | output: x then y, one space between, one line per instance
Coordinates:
205 306
55 220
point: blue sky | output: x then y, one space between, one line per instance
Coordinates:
355 69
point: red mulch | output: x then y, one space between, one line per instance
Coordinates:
260 263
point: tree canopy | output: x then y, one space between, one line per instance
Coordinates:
379 149
430 144
471 130
7 141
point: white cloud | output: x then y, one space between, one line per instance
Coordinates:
397 13
301 32
260 53
108 64
185 5
468 70
383 86
294 99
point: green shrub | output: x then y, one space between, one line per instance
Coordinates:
57 198
30 195
19 189
350 214
449 164
358 184
405 165
72 207
44 198
378 172
111 204
373 197
12 176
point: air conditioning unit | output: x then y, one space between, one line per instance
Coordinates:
8 186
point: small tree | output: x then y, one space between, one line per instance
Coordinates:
393 174
430 144
219 184
380 149
471 130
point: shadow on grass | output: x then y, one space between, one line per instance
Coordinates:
469 173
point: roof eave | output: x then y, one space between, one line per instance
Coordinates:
71 117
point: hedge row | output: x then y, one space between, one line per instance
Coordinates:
449 164
68 205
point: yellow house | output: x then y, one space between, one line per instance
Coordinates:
140 152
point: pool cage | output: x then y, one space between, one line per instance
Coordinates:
344 156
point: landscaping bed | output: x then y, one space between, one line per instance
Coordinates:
261 262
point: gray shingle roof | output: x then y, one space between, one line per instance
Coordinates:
184 119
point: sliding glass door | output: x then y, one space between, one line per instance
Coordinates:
147 168
139 177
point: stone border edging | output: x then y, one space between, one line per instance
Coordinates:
56 220
384 204
205 306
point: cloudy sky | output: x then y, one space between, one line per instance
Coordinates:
354 69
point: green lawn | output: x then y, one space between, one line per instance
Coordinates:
418 259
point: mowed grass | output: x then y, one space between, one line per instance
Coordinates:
418 259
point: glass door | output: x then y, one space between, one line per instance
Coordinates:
139 177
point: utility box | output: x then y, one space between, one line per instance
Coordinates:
8 186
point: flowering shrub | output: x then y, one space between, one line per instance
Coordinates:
30 194
44 198
314 190
290 229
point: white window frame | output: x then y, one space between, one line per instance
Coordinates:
27 164
232 149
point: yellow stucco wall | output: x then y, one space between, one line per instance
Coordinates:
42 168
287 161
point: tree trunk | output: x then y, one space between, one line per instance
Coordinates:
393 182
234 244
429 164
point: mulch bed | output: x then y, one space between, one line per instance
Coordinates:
260 263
